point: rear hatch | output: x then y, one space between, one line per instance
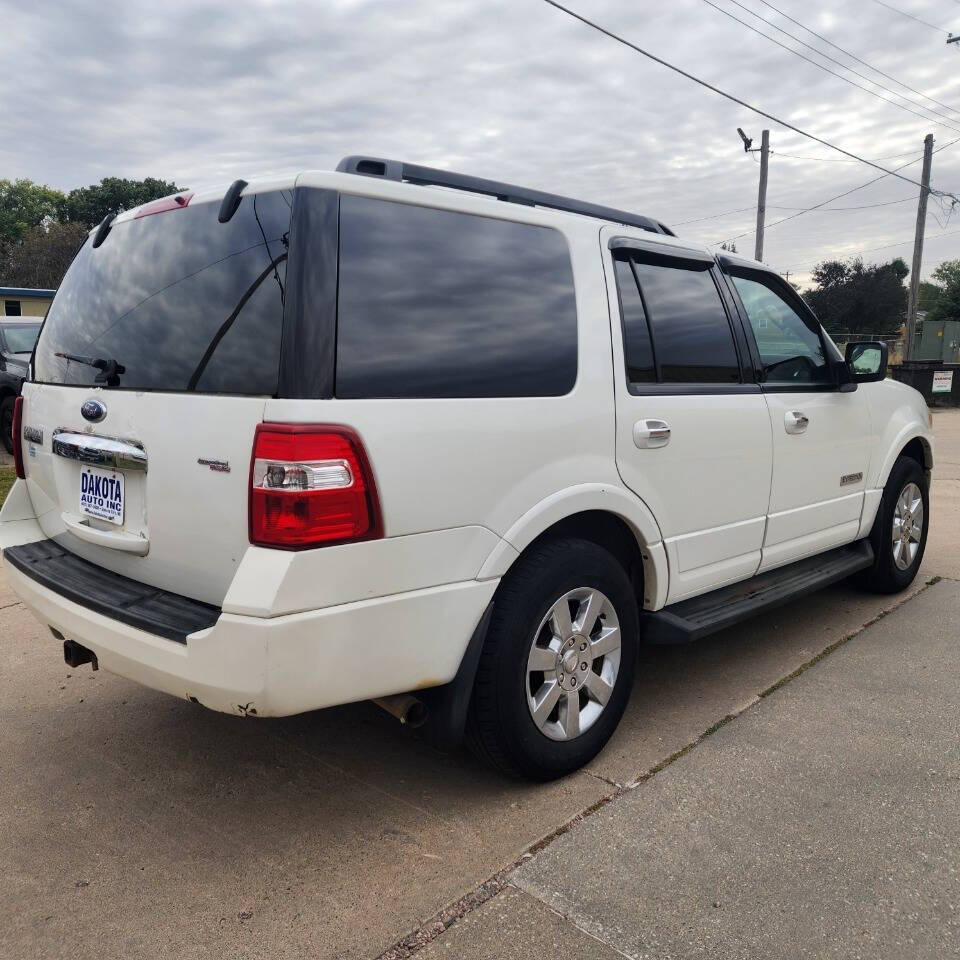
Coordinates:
150 376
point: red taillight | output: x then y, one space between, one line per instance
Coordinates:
311 486
18 438
177 202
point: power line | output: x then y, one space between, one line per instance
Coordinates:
737 100
887 246
793 156
853 56
833 73
817 206
895 156
903 13
839 63
773 206
847 193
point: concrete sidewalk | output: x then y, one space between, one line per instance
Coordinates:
822 822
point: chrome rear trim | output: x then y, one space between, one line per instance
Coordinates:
99 451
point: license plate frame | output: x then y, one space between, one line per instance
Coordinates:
102 494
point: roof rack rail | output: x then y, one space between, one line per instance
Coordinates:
431 176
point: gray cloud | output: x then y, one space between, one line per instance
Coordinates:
206 92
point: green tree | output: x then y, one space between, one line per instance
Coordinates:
89 205
857 299
928 295
41 258
947 306
25 204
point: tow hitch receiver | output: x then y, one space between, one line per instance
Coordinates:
75 655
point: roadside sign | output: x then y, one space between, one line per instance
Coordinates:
942 381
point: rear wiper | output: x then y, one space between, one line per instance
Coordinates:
109 369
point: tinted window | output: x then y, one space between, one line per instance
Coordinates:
12 308
789 343
691 333
441 304
20 338
180 300
636 333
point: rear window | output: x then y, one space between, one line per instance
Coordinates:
179 300
434 303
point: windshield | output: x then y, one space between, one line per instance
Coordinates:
20 337
175 301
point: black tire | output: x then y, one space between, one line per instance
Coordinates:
885 576
6 422
500 728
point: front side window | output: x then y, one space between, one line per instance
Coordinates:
435 303
790 345
675 326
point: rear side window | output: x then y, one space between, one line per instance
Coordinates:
177 299
434 303
674 322
636 333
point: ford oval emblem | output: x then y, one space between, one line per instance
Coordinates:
93 410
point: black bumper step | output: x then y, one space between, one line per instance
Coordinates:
159 612
700 616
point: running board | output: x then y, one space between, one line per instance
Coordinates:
700 616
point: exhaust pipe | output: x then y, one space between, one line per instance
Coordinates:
406 708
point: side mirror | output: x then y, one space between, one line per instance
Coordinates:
867 360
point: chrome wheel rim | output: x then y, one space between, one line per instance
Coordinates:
907 526
573 663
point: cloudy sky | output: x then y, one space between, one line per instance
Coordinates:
202 93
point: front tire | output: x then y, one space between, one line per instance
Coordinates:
899 535
558 662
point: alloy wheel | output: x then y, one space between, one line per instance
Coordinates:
573 663
907 526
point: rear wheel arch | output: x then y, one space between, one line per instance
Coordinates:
622 534
606 530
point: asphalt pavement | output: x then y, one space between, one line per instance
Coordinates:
820 814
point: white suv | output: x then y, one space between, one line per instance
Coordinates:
352 436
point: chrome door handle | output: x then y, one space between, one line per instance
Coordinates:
651 433
795 422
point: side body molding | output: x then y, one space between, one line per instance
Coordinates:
580 499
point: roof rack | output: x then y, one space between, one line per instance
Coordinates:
431 176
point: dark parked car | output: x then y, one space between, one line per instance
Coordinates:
17 338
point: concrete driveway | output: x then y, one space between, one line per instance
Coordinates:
137 825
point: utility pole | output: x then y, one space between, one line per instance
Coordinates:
762 197
918 248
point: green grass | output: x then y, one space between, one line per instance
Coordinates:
7 477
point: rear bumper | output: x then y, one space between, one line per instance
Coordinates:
282 665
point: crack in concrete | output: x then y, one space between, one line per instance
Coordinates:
417 939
